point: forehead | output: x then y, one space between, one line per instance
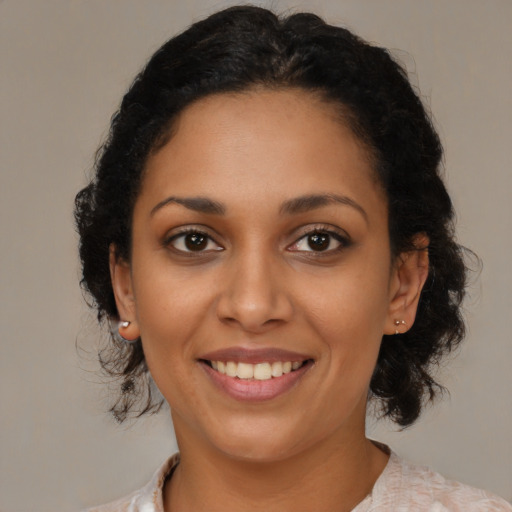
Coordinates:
264 143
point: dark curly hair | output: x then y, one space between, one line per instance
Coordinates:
245 47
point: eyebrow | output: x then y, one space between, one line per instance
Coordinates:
197 204
313 201
293 206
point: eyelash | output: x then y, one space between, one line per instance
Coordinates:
191 231
343 241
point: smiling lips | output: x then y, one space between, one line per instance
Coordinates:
255 375
260 371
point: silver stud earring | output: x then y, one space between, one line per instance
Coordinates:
399 322
116 331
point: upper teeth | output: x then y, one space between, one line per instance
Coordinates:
259 371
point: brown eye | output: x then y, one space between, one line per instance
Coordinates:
319 241
196 241
193 241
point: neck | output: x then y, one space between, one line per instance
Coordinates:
332 475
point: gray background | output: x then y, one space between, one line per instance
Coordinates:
64 67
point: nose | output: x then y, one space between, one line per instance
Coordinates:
254 295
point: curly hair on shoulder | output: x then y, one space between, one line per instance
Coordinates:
241 48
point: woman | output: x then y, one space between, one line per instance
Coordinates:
268 233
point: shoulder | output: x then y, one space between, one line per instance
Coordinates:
407 486
121 505
146 499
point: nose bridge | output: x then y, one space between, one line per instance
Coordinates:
254 295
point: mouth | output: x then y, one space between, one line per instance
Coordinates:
256 375
260 371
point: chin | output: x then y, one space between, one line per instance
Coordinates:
261 443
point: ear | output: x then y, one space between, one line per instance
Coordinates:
120 275
407 281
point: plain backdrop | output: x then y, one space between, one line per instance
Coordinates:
64 67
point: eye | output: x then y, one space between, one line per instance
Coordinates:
193 241
319 241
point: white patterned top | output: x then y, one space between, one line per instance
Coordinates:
402 487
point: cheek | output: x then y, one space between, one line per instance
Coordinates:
169 319
352 307
170 309
349 320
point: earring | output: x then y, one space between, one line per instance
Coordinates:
123 324
399 322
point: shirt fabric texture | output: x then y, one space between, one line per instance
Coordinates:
401 487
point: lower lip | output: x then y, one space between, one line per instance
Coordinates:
253 390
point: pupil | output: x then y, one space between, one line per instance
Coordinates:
318 241
195 241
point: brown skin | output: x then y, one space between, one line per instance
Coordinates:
258 283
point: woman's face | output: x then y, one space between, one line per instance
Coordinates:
260 239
